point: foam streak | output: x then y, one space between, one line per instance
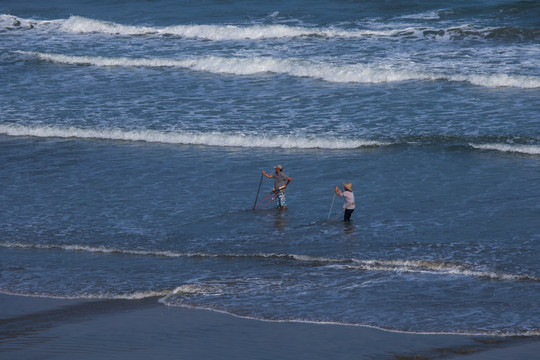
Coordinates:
349 73
413 266
523 149
190 138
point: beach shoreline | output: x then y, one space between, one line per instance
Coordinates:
35 327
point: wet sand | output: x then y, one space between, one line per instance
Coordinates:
42 328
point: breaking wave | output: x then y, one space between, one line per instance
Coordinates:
191 138
221 139
398 266
229 32
350 73
77 24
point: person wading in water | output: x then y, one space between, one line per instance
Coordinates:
280 183
348 196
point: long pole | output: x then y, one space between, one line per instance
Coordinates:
257 197
331 206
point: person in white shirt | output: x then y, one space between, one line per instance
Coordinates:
348 196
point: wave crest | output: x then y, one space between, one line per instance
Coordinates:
230 32
220 139
191 138
350 73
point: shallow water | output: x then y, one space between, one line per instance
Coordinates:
133 138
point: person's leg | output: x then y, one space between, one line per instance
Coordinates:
347 216
281 201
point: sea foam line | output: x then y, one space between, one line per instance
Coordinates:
337 73
215 32
397 266
226 140
229 32
78 24
221 32
192 289
527 333
355 73
139 295
523 149
191 138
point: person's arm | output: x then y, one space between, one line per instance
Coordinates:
286 184
337 191
266 174
288 181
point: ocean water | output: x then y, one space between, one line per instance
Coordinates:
133 135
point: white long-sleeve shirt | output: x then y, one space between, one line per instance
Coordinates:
348 196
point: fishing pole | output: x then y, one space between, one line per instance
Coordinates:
272 199
265 198
331 206
257 197
338 214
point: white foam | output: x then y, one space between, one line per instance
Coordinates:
523 149
13 22
226 32
104 250
250 66
190 138
250 32
429 15
435 267
229 32
499 80
96 296
78 24
412 266
193 289
166 301
337 73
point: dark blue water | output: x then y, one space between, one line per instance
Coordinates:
133 136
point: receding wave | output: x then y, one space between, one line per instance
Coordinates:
523 149
412 266
97 296
170 297
191 138
350 73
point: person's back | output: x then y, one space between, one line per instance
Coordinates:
348 196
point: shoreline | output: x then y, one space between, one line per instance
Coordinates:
35 327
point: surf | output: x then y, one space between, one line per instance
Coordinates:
326 71
509 148
240 32
214 138
435 267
